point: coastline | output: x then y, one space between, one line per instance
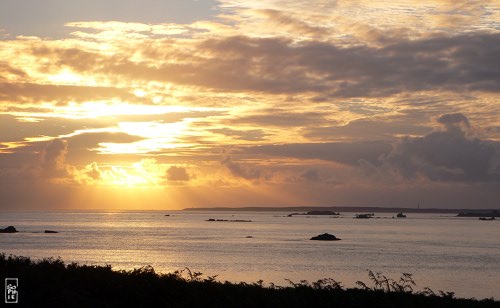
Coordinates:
349 209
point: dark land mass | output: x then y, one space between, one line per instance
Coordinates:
52 283
494 213
325 237
319 213
480 212
228 220
9 229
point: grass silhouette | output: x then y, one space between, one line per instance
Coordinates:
52 283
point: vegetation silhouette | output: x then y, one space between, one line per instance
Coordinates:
52 283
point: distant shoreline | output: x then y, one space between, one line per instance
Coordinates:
349 209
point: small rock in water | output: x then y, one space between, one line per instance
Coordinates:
9 229
50 231
325 237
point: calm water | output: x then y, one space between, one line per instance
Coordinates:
443 252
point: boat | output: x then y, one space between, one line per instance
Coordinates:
484 218
401 215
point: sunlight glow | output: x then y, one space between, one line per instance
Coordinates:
160 136
166 131
66 77
139 93
145 173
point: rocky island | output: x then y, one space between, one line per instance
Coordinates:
325 237
317 212
9 229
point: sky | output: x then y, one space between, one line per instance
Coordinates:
171 104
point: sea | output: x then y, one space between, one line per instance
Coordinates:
441 251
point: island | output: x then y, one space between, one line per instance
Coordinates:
316 212
9 229
228 220
325 237
493 213
364 216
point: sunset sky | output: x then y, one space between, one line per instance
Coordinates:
167 104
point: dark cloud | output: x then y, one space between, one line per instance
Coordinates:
311 175
24 154
239 170
349 153
279 118
493 131
77 149
465 62
90 140
12 129
82 147
454 121
177 174
447 155
366 129
53 159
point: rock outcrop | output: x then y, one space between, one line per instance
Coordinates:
325 237
9 229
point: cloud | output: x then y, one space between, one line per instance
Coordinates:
286 22
53 159
7 70
311 94
311 175
88 175
90 140
451 153
241 171
367 129
275 65
454 121
278 117
459 14
349 153
13 128
23 93
446 155
177 174
248 135
93 171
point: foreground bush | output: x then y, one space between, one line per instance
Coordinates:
52 283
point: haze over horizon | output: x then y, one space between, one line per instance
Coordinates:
175 104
